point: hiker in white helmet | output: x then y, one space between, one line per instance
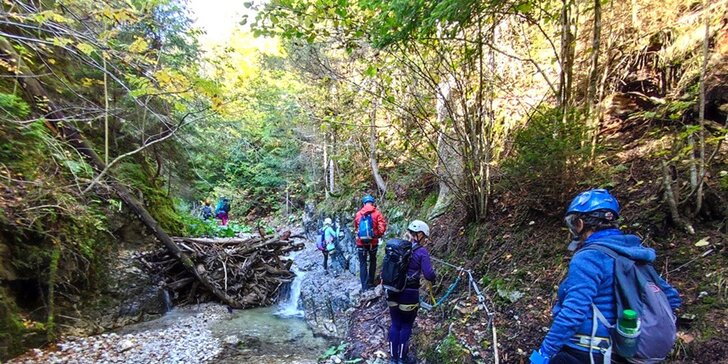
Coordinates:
404 303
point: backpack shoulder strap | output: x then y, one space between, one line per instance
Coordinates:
603 249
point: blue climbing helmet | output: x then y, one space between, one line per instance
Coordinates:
367 199
594 201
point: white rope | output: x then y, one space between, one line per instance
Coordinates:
481 302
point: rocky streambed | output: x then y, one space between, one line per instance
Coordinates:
181 336
322 310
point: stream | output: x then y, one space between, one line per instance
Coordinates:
200 334
272 335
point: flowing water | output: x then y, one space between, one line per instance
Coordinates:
268 338
273 335
290 308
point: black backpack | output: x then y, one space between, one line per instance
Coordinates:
397 255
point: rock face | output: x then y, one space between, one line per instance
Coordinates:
131 296
326 297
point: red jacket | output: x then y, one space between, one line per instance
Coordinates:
380 225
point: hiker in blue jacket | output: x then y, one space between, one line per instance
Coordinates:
592 219
329 245
403 306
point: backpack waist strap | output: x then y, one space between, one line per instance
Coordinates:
587 341
403 306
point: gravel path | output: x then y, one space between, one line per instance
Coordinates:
180 338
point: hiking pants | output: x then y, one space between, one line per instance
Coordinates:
403 309
224 217
366 276
326 259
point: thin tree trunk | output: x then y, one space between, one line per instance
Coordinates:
331 175
106 114
567 57
373 148
591 98
701 113
66 131
635 19
326 165
672 200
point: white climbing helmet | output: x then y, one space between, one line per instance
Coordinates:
327 221
419 226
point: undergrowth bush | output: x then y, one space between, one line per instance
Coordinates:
550 159
211 228
139 176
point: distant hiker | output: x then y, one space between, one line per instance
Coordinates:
206 210
404 261
326 241
610 274
369 225
222 210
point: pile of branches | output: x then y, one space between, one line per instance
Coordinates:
249 272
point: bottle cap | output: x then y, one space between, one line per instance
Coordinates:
629 314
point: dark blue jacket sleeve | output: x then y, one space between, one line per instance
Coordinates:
581 286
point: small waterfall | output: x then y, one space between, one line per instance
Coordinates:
166 300
289 308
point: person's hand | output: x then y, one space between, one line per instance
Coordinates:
428 286
538 358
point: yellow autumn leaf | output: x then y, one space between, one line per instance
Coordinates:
85 48
139 45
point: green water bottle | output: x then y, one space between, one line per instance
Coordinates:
628 330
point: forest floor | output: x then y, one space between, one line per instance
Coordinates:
519 257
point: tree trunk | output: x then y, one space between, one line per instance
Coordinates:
326 165
331 175
55 121
701 113
449 166
373 148
567 57
591 97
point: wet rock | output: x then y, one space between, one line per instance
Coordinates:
231 340
125 345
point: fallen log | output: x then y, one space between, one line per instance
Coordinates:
218 241
250 271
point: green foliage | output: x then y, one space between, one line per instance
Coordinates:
334 350
551 155
212 228
448 351
56 238
12 106
158 203
11 326
723 178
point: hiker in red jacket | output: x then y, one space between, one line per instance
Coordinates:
369 225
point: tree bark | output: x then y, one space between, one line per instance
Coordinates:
672 201
567 57
56 122
591 97
452 171
373 148
701 113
